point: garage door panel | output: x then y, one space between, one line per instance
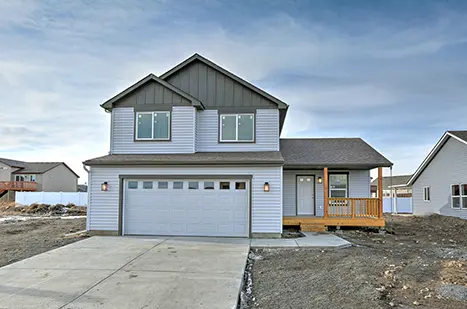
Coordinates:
191 212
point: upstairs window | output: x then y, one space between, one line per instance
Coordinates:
237 128
152 126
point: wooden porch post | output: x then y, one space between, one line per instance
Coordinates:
326 192
380 192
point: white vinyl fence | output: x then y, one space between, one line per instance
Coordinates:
401 204
52 198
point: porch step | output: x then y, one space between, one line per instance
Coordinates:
313 227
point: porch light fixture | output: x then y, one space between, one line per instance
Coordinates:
320 180
266 187
105 186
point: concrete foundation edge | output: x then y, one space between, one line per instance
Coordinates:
266 235
102 233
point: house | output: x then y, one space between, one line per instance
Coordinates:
395 185
35 176
440 183
197 151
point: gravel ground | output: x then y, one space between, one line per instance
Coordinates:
421 262
23 239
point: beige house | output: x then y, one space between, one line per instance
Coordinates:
392 186
35 176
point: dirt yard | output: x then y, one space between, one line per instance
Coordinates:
420 262
23 239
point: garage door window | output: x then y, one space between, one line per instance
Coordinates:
240 185
178 185
163 185
193 185
132 185
209 185
224 185
147 184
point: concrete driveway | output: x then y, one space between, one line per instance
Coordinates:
129 272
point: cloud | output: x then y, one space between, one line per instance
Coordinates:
397 83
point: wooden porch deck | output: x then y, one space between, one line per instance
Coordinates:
343 211
6 186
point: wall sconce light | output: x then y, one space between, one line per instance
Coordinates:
105 186
320 180
266 187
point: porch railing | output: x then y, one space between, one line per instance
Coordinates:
18 185
354 208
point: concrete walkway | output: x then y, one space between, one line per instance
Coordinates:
122 272
310 240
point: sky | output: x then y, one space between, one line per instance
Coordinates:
391 72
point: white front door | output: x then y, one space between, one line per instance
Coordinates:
186 207
305 195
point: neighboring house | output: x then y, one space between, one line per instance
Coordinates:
440 182
35 176
392 186
197 151
82 188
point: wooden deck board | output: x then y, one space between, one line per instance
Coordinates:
333 221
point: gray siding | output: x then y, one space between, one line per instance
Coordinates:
266 134
5 172
359 186
266 206
152 93
58 179
182 134
448 167
215 89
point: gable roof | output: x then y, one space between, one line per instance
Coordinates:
197 57
461 136
331 152
108 105
33 167
41 168
398 180
13 163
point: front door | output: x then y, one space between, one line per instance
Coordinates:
305 195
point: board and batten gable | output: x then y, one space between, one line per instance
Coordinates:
182 137
266 207
215 89
448 167
359 186
152 93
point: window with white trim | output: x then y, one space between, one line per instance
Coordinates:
338 185
152 126
459 196
237 128
426 194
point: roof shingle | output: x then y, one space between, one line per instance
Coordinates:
460 134
263 157
331 152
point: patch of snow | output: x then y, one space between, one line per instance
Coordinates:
10 219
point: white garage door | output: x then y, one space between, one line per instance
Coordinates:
186 207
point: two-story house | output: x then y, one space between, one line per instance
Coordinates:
197 152
35 176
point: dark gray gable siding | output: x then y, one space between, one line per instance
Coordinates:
152 93
216 89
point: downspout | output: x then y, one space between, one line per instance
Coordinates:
88 218
392 191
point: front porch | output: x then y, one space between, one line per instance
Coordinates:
336 211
